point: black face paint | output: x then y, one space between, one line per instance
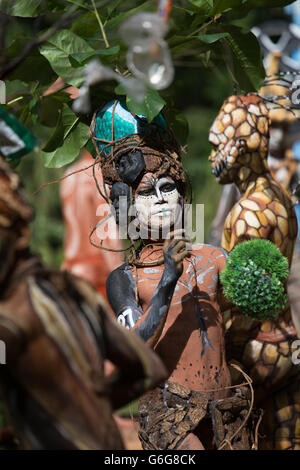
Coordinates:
130 166
119 189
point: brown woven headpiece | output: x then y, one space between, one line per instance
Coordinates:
160 151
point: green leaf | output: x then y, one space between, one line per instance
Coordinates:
113 5
85 26
33 68
243 9
66 123
81 57
91 149
268 3
247 67
114 24
69 120
177 123
56 138
181 18
23 8
70 149
223 5
120 90
15 89
211 38
151 106
49 110
204 6
181 44
58 49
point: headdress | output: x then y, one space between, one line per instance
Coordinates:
116 133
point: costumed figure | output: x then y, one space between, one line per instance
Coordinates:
240 139
169 295
57 333
82 208
281 60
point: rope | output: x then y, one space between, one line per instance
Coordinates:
63 178
229 440
255 444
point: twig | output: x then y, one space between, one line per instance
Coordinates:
213 20
65 19
255 444
229 440
101 25
62 178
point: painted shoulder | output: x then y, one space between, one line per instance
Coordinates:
209 249
120 272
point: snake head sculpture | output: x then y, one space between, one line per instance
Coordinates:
240 138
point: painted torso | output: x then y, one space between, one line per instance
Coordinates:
194 307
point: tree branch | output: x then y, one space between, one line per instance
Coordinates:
64 21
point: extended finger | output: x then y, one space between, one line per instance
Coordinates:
180 256
178 233
180 245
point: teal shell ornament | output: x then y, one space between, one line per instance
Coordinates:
15 139
254 279
114 121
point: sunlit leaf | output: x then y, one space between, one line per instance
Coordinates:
23 8
58 49
81 57
152 105
247 69
70 149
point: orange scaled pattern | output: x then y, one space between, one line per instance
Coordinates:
240 139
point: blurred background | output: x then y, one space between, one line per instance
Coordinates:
199 92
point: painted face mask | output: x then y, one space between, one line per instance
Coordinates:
240 137
158 203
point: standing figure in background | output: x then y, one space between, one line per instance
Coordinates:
170 296
284 145
240 139
82 207
80 201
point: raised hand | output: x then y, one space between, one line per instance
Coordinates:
175 250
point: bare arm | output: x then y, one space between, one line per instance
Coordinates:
121 294
138 368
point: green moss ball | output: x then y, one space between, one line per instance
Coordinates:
254 279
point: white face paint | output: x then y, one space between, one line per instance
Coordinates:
158 203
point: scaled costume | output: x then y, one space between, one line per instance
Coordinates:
240 139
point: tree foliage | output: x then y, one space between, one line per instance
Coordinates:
44 40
